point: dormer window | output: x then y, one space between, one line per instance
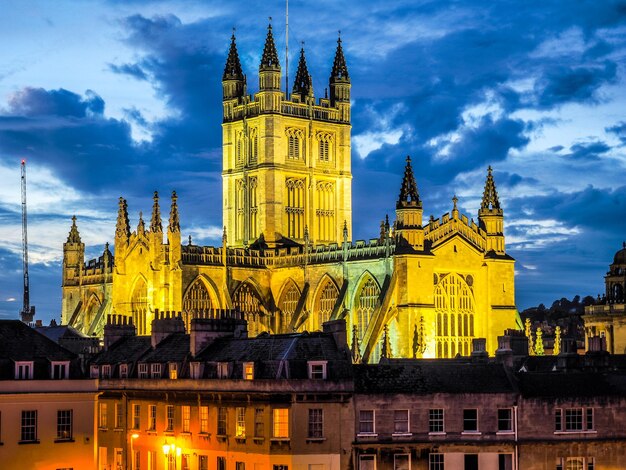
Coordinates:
24 370
194 370
155 371
317 370
123 371
143 371
222 370
248 370
106 371
173 367
94 372
60 370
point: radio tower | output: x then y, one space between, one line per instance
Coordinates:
27 312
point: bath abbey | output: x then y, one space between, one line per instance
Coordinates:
288 261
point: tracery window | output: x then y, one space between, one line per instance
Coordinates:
324 145
324 306
287 305
294 208
295 143
325 212
365 305
246 147
454 307
139 307
246 211
197 299
248 303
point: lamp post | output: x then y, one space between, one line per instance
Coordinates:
132 454
174 451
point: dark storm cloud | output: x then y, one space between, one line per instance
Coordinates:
37 102
589 151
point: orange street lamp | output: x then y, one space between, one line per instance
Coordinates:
132 454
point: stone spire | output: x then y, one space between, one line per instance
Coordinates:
74 236
122 228
141 226
409 196
490 195
340 69
303 84
232 70
174 225
385 351
155 222
269 60
356 348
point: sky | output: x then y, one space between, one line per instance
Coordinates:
110 98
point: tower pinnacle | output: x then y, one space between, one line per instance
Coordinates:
155 221
74 236
122 229
174 225
270 56
303 85
490 195
232 70
340 69
409 197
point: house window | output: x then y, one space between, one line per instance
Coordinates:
317 370
589 418
137 458
152 410
366 421
194 369
170 418
103 460
367 462
186 412
435 420
573 419
401 462
203 462
136 416
155 371
64 424
29 426
143 371
23 370
222 370
470 420
505 420
60 370
240 466
221 463
240 424
221 421
123 371
316 423
184 462
119 416
471 461
280 423
435 462
152 456
259 423
204 419
173 370
119 458
280 467
94 372
248 370
401 421
106 371
102 416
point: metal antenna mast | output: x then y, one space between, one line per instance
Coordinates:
287 49
27 312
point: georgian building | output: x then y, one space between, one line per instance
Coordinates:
288 261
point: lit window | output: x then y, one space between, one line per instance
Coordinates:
204 419
29 426
102 416
203 462
505 420
119 458
470 420
60 370
317 370
401 462
64 424
248 370
435 420
316 423
173 371
136 416
24 370
259 425
186 412
143 371
366 421
221 421
155 371
280 423
170 418
435 462
184 462
119 416
240 427
401 421
152 411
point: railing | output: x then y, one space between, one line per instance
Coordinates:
436 230
605 309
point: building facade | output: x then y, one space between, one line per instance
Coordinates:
288 261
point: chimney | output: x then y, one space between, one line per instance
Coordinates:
338 329
513 344
479 350
117 327
206 330
164 327
568 358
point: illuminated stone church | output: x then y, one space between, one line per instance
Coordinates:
287 261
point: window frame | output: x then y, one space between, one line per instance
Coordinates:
467 420
24 370
280 423
152 417
185 412
63 369
240 422
65 425
435 421
407 414
169 418
136 415
317 370
502 420
315 428
222 421
363 422
28 426
203 417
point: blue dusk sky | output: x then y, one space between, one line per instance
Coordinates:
121 98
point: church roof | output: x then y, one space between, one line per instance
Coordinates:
232 70
270 56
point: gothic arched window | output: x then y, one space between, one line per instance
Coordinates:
246 301
287 305
325 211
454 300
294 207
197 299
324 305
139 307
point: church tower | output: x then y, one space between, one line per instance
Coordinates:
491 216
286 160
409 231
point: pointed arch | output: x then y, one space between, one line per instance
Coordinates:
287 304
139 305
247 300
93 305
454 321
324 302
200 296
366 299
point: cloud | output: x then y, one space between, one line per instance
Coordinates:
132 70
